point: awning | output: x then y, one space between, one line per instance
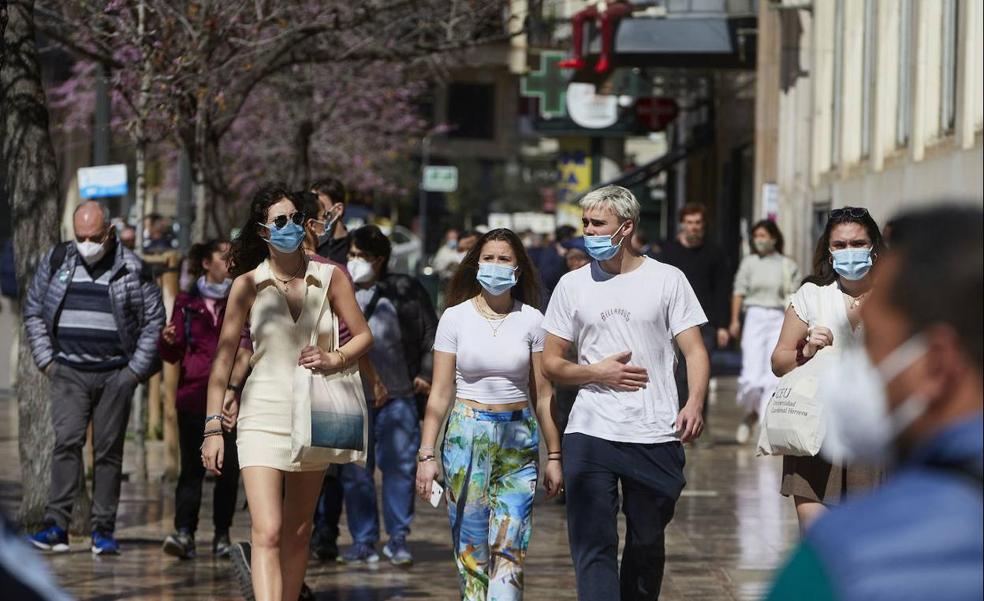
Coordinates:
696 42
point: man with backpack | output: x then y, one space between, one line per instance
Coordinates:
93 314
403 323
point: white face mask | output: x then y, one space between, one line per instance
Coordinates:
91 252
860 426
360 270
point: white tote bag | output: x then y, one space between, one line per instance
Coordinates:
330 418
793 423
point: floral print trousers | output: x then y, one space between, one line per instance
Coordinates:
490 466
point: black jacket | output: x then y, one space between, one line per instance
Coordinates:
418 321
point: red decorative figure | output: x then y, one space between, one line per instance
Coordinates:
607 12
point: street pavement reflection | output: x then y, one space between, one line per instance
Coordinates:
731 530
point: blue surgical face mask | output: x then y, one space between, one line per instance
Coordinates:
286 239
852 263
600 248
496 279
212 290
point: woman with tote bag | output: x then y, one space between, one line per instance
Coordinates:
284 296
824 312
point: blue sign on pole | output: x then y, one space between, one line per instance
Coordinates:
102 181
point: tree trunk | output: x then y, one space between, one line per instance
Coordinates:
199 190
301 176
200 226
31 178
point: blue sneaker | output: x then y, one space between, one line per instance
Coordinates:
359 553
51 538
398 553
103 543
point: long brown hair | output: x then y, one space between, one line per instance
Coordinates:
823 271
464 285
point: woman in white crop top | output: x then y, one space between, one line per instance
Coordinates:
488 353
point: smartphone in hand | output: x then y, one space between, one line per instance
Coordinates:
437 492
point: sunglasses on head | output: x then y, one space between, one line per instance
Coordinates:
281 220
851 212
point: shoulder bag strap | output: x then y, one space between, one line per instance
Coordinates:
326 273
371 307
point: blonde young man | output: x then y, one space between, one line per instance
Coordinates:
623 313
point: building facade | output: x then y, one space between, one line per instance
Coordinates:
873 103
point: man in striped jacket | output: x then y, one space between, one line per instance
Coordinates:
93 314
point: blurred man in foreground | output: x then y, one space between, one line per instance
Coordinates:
917 404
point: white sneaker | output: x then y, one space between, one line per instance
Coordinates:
743 433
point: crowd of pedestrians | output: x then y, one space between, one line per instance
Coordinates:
548 347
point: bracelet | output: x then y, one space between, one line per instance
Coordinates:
554 459
424 458
342 356
208 433
234 387
217 416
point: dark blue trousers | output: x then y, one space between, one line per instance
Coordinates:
651 476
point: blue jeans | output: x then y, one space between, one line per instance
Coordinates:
394 436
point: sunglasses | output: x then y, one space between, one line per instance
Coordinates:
281 220
849 212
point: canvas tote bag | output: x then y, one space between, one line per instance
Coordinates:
330 418
793 423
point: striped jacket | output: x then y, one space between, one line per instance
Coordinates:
133 295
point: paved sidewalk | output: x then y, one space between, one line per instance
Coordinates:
730 531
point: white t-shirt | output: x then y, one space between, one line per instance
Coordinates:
639 311
824 306
492 360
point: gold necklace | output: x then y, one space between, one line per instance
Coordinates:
284 282
486 311
856 300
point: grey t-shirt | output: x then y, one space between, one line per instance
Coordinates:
386 353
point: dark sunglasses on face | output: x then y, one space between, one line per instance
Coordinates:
851 212
281 220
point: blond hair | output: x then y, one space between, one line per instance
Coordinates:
616 198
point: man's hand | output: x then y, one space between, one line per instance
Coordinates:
690 422
421 386
615 372
723 337
380 393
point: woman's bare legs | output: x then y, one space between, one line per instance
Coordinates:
300 498
264 493
807 511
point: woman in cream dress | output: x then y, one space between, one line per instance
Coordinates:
826 311
281 293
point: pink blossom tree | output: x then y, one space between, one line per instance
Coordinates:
265 88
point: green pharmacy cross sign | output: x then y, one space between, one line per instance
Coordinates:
548 84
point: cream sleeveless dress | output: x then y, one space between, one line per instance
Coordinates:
263 431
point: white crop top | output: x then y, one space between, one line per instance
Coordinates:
491 369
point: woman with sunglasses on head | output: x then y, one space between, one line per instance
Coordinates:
824 312
489 349
280 292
